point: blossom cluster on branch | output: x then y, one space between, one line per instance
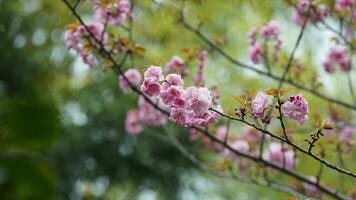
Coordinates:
164 94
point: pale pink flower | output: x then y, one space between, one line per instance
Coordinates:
179 116
176 64
172 80
173 96
337 56
132 122
271 30
259 104
115 13
198 99
275 153
153 73
255 53
134 77
76 38
296 108
151 88
70 39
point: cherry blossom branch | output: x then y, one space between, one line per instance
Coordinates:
272 165
280 118
315 138
238 63
292 144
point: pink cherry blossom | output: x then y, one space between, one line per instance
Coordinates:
344 4
151 88
134 76
198 100
179 116
76 38
115 13
132 122
176 64
172 80
275 153
337 56
173 96
255 52
296 108
154 73
271 30
259 104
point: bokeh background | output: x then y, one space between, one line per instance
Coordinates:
62 123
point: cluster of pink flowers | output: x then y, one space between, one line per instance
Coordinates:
279 155
187 107
317 13
296 108
259 104
337 56
114 12
344 4
270 32
78 38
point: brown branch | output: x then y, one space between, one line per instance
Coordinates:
292 144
